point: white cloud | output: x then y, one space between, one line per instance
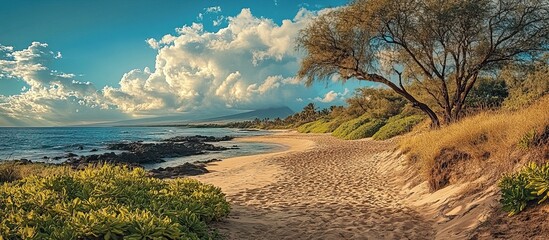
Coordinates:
49 94
331 96
249 64
218 21
214 9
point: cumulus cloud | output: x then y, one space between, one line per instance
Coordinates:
331 96
48 93
249 64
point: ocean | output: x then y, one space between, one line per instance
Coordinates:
44 144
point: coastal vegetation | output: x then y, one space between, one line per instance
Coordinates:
442 48
108 202
530 184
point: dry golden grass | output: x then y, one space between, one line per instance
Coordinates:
11 171
492 135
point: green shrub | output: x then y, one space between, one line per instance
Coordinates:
514 194
305 128
538 180
397 125
108 202
366 130
519 189
534 138
318 126
349 126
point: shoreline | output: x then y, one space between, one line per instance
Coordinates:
244 176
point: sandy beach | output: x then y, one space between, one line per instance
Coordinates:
320 187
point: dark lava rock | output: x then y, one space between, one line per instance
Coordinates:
166 149
94 150
198 138
57 158
45 157
187 169
22 161
138 153
127 158
70 155
207 161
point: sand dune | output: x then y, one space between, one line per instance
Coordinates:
320 188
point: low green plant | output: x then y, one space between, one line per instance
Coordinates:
397 125
529 184
349 126
515 196
366 130
538 180
108 202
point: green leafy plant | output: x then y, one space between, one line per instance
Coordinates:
366 130
514 193
538 180
109 202
520 188
397 125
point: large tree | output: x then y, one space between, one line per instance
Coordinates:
440 46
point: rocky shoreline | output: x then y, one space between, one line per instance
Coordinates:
136 154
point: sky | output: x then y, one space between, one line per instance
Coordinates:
69 62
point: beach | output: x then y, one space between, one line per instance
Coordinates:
320 187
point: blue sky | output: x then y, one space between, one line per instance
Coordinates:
71 62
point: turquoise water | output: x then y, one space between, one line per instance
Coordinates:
43 144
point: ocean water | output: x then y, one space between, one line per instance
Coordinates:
44 144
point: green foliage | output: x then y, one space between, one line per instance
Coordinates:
366 130
520 188
538 180
526 84
109 202
534 138
487 94
377 102
397 125
318 126
514 194
349 126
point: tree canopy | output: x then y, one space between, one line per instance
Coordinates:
440 46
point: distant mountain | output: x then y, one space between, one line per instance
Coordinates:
271 113
201 117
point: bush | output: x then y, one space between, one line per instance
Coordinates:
319 126
305 128
366 130
397 126
109 202
519 189
349 126
8 173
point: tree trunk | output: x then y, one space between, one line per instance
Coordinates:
435 123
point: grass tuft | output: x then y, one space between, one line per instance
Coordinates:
495 135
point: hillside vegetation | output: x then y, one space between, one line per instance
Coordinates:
484 145
108 202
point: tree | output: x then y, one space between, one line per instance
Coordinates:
441 46
380 103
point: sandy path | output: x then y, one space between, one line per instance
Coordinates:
321 188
